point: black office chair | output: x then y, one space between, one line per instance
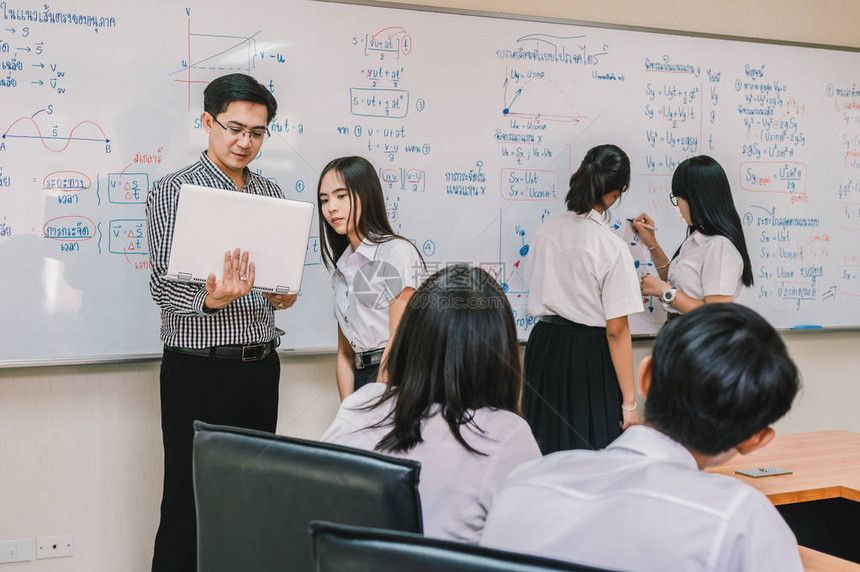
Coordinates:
344 548
257 492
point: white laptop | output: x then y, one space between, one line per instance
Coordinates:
209 222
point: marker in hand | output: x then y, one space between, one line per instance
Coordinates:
643 225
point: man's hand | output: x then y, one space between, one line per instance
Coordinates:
281 301
237 281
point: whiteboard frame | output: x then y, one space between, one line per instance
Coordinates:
10 365
502 16
20 364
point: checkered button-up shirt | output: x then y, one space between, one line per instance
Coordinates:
184 322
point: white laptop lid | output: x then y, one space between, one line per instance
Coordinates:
209 222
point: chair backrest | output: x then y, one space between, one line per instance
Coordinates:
339 548
257 492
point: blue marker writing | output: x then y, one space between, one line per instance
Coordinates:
806 327
643 225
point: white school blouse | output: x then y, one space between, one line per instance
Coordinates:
641 504
456 486
365 283
579 269
707 266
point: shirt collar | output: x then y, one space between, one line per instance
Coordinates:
652 443
221 175
597 217
698 237
366 250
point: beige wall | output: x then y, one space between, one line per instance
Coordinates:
80 451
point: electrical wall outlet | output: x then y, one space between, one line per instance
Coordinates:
55 546
20 550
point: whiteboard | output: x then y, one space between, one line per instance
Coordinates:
475 124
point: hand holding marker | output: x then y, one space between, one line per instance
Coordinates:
643 225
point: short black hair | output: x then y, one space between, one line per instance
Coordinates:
604 169
719 375
456 348
223 91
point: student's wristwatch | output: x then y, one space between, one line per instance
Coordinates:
668 297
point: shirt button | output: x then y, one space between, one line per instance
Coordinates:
345 319
352 344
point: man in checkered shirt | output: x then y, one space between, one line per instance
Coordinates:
219 363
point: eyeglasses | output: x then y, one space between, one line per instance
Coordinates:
256 135
673 199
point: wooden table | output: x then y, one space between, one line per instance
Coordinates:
824 465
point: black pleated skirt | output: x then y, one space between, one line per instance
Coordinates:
365 376
571 396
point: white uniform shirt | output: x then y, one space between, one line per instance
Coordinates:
640 504
707 266
579 269
365 283
456 486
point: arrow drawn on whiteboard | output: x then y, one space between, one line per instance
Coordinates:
400 30
68 139
516 95
543 38
771 212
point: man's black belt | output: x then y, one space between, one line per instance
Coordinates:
247 352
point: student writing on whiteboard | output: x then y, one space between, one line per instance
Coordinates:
583 285
219 363
374 271
452 401
712 263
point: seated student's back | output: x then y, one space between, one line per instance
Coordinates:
719 377
456 486
452 401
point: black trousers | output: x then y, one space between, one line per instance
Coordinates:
219 391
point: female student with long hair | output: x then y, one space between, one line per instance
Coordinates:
452 400
582 285
374 271
712 263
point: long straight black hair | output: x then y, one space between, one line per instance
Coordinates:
364 188
702 182
604 169
455 348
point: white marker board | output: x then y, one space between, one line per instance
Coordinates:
474 122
